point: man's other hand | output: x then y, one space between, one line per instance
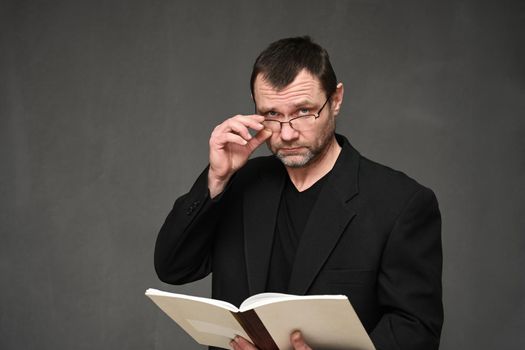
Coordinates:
296 339
231 144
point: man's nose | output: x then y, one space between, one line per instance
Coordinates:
288 133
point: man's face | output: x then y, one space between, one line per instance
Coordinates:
296 148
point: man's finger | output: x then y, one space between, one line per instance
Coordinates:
223 140
234 345
249 121
298 342
242 129
239 343
259 138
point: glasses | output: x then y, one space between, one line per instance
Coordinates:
303 122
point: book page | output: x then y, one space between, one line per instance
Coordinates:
258 300
224 304
325 323
207 322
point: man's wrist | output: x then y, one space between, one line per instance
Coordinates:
216 186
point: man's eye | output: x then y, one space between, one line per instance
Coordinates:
272 114
304 111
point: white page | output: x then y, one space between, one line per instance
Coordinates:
220 303
258 300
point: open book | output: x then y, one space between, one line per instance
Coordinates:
267 320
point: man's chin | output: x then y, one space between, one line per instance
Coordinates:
295 160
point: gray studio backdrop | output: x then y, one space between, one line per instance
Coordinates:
106 108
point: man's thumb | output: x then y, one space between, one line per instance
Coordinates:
259 138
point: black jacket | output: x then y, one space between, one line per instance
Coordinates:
374 235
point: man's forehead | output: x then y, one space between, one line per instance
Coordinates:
305 86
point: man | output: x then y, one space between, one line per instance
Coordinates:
314 218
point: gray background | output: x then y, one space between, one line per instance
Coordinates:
106 108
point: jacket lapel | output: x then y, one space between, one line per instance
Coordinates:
261 203
328 219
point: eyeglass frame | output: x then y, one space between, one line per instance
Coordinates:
316 115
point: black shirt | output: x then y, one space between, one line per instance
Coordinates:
292 217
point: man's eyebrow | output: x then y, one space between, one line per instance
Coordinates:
264 109
270 108
303 103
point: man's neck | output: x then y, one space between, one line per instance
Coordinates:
304 177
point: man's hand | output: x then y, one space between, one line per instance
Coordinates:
298 342
296 339
230 147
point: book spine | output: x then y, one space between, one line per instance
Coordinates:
255 329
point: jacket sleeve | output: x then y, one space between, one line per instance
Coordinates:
409 280
184 243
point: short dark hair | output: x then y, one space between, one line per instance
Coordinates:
282 61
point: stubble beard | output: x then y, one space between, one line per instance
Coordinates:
290 162
310 154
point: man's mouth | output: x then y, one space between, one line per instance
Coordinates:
290 150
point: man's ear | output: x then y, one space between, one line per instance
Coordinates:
337 99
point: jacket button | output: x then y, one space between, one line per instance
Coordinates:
192 207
